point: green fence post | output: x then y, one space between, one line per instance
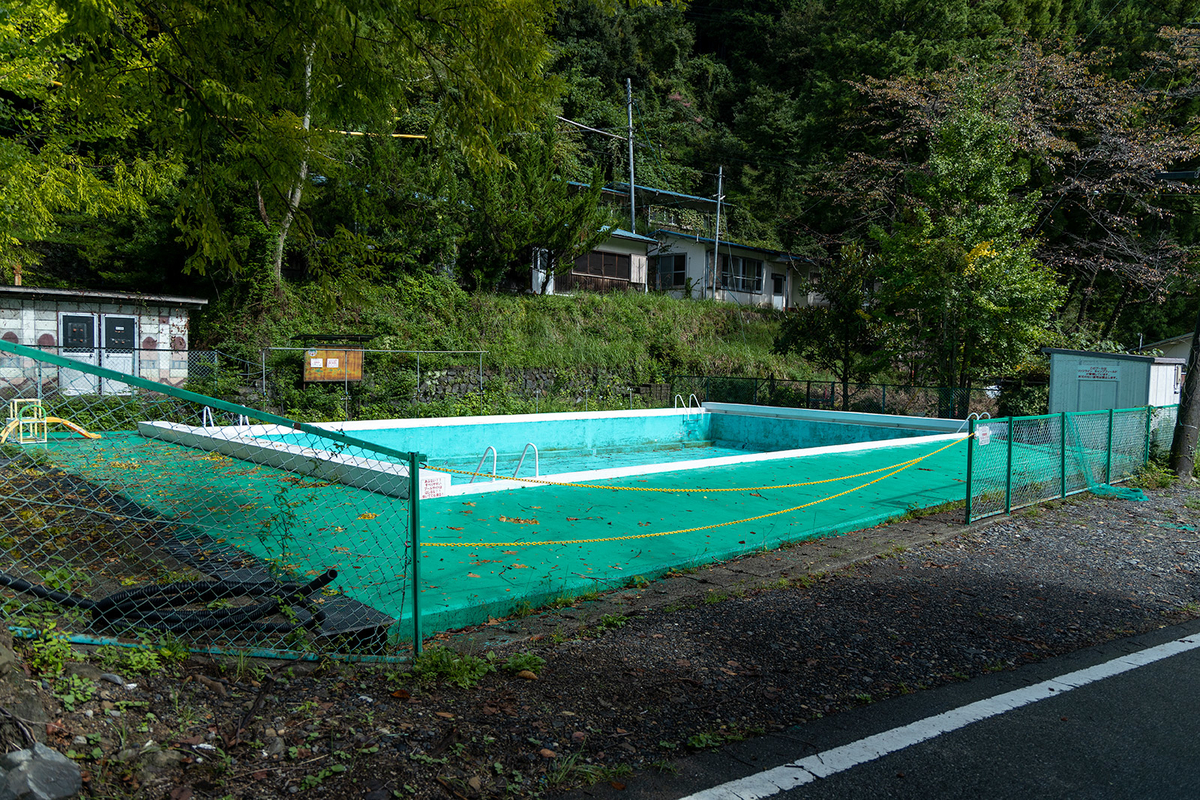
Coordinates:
1149 433
883 401
414 516
1108 454
808 394
1008 471
1062 448
970 465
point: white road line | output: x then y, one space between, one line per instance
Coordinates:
822 765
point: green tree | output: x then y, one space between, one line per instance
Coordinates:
844 334
960 280
255 96
56 156
507 214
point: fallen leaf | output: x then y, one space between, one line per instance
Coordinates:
451 527
547 753
401 694
367 515
472 575
527 675
620 787
443 714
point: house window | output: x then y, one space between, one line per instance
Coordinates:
604 265
671 270
741 274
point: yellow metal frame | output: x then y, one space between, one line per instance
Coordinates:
28 418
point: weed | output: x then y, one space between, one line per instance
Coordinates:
49 651
74 691
442 663
664 766
638 582
518 662
1153 475
562 601
589 597
713 597
1192 503
522 609
778 583
1191 608
610 622
809 580
570 771
862 697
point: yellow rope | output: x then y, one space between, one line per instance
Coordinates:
671 491
903 467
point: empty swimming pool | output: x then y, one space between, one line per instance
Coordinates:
471 455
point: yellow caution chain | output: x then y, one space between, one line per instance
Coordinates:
541 482
900 468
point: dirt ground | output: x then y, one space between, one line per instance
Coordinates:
604 689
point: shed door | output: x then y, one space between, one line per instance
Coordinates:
1097 395
78 344
119 340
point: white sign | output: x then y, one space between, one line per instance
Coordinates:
331 363
984 434
1098 372
315 363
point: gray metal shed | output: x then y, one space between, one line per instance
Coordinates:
1086 381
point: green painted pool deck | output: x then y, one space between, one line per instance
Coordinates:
306 526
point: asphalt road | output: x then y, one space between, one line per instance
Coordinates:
1066 727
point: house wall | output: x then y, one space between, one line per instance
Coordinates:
699 257
160 338
625 247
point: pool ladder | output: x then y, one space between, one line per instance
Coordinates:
537 466
978 417
688 404
208 421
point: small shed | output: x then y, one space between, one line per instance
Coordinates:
136 334
1085 381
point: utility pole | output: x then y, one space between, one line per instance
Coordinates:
717 237
629 111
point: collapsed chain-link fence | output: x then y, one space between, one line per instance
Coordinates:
132 508
1018 461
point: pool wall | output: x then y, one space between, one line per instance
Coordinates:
781 432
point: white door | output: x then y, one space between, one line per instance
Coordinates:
78 343
118 338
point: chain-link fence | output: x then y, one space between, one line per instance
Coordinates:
133 509
1019 461
875 398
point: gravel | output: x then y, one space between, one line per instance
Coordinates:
722 662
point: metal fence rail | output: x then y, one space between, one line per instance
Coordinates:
877 398
1019 461
140 509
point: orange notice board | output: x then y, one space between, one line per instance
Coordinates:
332 364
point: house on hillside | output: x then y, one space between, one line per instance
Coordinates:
1175 347
618 263
679 258
682 265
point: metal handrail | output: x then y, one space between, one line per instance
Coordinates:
978 415
537 467
480 466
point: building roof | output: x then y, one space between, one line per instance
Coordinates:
1117 356
778 254
620 233
86 295
663 197
1183 337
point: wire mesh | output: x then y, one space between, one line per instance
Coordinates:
1024 460
128 512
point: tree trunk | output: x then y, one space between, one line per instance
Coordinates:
1126 290
1187 421
293 198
